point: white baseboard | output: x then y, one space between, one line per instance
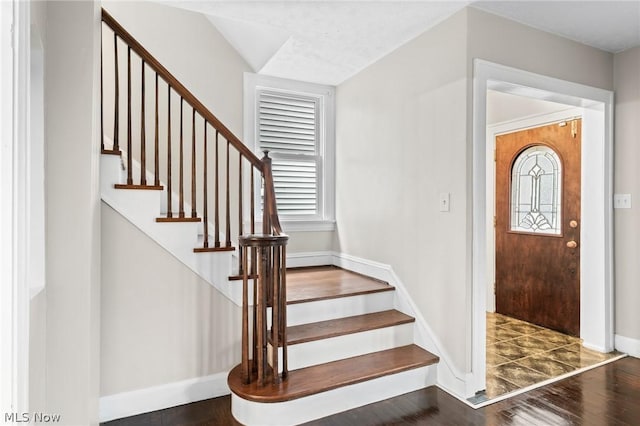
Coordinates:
155 398
628 345
318 258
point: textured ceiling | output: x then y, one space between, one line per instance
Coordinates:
613 26
329 41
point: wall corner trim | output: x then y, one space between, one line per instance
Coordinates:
154 398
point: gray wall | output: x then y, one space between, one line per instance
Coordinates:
627 181
400 144
161 323
65 317
403 142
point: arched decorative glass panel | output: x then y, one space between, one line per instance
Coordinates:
536 187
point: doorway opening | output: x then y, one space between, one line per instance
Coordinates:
595 107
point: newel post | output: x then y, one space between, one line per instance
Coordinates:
264 347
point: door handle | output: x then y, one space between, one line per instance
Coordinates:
572 244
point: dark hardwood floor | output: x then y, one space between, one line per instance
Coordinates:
607 395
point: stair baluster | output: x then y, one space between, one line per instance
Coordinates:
143 133
169 189
216 222
156 145
262 256
205 202
116 103
194 213
129 141
181 161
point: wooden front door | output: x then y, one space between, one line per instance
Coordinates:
537 226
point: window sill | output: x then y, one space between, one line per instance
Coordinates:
304 225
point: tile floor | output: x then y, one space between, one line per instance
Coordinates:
520 354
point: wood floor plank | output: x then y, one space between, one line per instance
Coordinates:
342 326
607 395
326 282
332 375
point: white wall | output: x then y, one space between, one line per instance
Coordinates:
72 311
401 141
509 43
627 181
161 323
503 42
404 136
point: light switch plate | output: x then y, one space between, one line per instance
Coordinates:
445 198
622 201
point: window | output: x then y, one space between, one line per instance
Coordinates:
294 121
536 184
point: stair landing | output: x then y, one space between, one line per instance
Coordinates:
329 282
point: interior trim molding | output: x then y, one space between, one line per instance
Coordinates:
596 267
628 345
155 398
315 258
15 211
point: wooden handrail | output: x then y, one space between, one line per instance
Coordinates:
179 88
262 257
271 223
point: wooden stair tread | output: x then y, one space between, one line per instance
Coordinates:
238 277
328 282
164 219
213 249
341 326
138 186
324 377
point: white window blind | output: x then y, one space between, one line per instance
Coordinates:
289 128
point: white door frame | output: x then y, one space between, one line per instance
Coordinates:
14 207
596 270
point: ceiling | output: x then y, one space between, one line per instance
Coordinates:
329 41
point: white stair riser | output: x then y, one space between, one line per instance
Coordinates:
332 349
110 170
322 310
324 404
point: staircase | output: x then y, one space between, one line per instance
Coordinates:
347 346
316 341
